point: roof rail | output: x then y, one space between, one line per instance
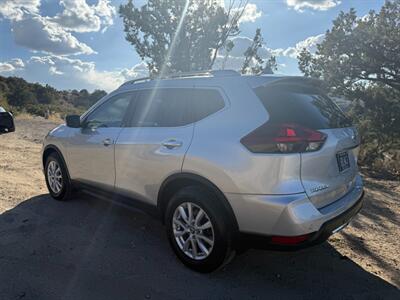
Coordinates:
215 73
136 80
223 73
187 74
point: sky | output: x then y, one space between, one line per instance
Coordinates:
78 44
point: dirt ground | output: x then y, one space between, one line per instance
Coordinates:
91 249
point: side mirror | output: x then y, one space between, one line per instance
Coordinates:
6 123
73 121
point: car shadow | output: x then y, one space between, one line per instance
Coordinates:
88 248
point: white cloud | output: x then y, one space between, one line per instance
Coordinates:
231 63
68 73
53 35
110 80
106 12
12 65
309 43
17 63
53 71
137 71
16 9
242 43
286 58
6 67
40 34
78 16
236 56
250 14
300 5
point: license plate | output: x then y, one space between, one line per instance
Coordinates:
343 161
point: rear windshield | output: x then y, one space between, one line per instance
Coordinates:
301 105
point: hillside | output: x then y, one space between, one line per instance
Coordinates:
18 95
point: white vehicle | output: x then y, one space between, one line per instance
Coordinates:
223 159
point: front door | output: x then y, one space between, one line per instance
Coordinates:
153 146
91 148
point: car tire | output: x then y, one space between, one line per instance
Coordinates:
57 178
221 231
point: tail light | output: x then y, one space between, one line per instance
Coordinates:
283 138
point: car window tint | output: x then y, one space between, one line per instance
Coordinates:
172 107
111 113
205 102
301 105
161 108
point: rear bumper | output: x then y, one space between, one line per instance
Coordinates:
292 215
327 229
337 223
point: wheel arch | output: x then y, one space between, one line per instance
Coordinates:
53 149
176 181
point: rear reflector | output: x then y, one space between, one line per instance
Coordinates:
289 240
283 138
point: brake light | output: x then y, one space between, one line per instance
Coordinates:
283 138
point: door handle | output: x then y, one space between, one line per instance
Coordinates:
171 144
107 142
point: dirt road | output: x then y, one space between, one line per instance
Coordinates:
91 249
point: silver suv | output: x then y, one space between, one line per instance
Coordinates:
226 161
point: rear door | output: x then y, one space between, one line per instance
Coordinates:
329 173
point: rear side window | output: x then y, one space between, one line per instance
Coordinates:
204 103
301 105
173 107
161 108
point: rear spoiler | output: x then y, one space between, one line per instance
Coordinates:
297 80
270 81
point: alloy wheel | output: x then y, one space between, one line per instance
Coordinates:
193 231
54 177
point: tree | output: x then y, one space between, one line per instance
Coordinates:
253 63
4 102
34 98
96 96
377 113
21 97
270 66
45 94
180 36
358 50
85 99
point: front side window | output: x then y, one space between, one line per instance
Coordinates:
111 113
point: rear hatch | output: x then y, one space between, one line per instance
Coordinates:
328 173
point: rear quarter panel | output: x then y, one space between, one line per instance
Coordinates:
217 154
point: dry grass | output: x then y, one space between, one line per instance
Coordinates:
373 239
